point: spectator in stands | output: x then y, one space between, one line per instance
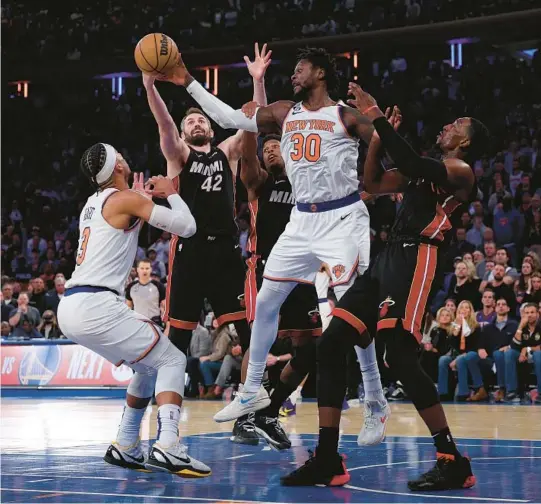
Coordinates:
200 344
508 223
23 312
161 246
495 339
500 287
465 337
50 259
487 314
490 255
53 297
476 233
531 348
528 327
532 231
437 344
461 246
26 330
5 330
232 361
450 304
9 303
37 299
156 265
36 242
464 286
209 365
49 326
525 187
533 291
523 283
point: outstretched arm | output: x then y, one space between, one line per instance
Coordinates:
174 149
377 180
266 120
452 175
232 146
253 176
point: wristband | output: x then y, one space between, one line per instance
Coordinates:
369 108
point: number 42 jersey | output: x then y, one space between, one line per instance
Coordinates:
319 153
206 185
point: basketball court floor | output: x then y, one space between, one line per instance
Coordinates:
52 452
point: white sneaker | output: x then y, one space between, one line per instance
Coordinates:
244 403
376 416
130 457
175 460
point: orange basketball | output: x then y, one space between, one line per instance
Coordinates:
156 53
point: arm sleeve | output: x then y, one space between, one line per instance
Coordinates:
128 292
219 111
408 162
177 220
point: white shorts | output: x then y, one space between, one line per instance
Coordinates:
340 238
102 322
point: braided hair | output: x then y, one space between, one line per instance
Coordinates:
92 162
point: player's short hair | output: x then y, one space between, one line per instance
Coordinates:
145 260
92 162
319 57
190 111
479 141
269 138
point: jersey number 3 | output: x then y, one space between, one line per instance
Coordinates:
308 148
212 185
83 243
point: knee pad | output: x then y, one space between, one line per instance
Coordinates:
142 384
171 369
304 358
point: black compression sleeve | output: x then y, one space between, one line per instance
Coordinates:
408 162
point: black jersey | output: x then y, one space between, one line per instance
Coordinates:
425 213
269 215
206 185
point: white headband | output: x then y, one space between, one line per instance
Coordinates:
109 165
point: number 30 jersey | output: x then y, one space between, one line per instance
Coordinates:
206 185
319 153
105 254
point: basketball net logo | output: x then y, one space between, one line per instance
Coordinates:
384 306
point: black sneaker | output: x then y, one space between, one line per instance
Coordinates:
244 431
447 474
512 397
271 430
315 471
131 458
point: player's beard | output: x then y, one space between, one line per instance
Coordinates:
198 140
301 95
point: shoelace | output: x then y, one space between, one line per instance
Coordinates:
369 419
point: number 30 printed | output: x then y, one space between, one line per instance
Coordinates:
309 147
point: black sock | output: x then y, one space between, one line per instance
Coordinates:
278 396
445 443
328 442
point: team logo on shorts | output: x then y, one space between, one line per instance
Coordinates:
384 306
338 270
242 302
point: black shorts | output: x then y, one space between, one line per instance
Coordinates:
204 267
299 315
397 287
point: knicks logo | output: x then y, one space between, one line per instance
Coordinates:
338 270
384 306
242 302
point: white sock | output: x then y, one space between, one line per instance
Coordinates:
254 376
130 425
168 419
294 397
369 369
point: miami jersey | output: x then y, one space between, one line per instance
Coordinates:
105 254
319 154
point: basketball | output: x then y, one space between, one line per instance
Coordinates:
156 53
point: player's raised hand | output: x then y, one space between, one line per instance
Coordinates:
178 75
148 80
160 187
262 60
361 99
394 117
139 185
250 109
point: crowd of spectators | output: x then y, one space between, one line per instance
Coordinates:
113 27
493 264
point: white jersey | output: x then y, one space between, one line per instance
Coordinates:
320 156
105 255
